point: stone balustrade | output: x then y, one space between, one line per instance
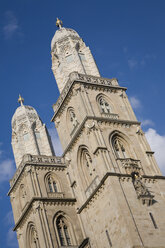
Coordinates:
56 195
111 115
42 159
130 165
36 159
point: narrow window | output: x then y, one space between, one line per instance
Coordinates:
50 185
105 108
67 235
108 237
119 148
63 231
153 221
87 158
69 58
60 233
73 118
54 186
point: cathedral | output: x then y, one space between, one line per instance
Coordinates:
106 190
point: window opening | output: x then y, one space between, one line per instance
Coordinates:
73 118
88 160
108 237
153 221
52 185
63 232
105 108
69 58
119 149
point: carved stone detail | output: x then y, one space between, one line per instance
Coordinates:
139 131
131 165
142 191
75 76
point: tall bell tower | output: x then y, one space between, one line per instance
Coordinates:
106 190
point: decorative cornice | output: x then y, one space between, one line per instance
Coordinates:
108 174
150 152
99 119
35 203
76 77
39 161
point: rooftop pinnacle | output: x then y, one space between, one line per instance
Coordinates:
20 100
59 23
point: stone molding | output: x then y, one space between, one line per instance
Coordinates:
123 177
130 165
38 203
87 79
78 132
41 161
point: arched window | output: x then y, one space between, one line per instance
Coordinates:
86 158
87 169
23 195
52 186
104 105
32 237
119 147
63 231
72 117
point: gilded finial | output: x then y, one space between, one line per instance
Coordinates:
59 23
20 100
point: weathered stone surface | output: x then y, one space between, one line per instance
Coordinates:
106 190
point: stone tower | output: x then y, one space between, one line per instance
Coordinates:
106 190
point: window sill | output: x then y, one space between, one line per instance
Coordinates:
56 194
110 115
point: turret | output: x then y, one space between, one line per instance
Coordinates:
29 134
69 54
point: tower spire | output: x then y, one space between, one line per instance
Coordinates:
59 23
20 100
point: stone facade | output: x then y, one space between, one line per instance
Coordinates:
106 190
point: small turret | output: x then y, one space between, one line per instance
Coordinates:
29 134
69 54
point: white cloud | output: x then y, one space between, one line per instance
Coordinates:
11 238
7 170
55 140
135 102
132 63
11 235
157 143
11 25
147 122
8 220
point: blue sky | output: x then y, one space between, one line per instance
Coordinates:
127 40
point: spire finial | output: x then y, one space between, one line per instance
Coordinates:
59 23
20 100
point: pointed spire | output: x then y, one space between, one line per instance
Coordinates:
59 23
20 100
